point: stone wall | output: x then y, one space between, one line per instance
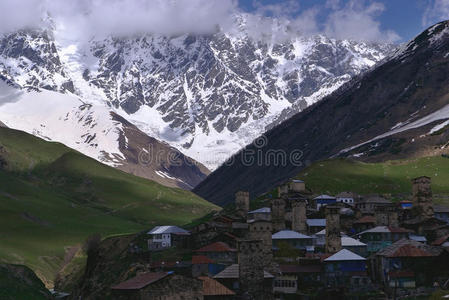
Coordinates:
333 236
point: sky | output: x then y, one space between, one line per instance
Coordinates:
393 21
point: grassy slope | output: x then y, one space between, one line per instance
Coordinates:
52 197
20 283
392 177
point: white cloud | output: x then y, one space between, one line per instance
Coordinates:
82 19
357 21
436 11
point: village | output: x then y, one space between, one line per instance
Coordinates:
298 245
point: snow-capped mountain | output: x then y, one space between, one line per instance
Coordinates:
397 110
206 95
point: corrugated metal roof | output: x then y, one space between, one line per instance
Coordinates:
167 229
323 232
289 234
141 281
261 210
233 272
344 255
325 197
409 248
385 229
418 238
216 247
211 287
298 180
347 241
316 222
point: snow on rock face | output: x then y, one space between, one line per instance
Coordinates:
208 96
63 118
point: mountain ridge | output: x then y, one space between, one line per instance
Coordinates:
409 87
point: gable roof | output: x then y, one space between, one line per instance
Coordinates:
216 247
344 255
408 248
441 240
233 272
316 222
289 234
167 229
201 259
140 281
264 210
325 197
347 241
386 229
211 287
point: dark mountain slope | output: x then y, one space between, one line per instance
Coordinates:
411 85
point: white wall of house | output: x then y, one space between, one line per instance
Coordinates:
346 200
164 239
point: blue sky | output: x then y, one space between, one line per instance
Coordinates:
406 18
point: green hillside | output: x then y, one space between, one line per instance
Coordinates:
391 177
52 197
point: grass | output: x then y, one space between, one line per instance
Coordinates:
20 283
391 177
52 197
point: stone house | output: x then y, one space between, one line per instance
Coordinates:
380 237
230 277
347 198
294 239
219 252
364 223
368 204
159 286
294 276
406 264
263 213
441 212
315 225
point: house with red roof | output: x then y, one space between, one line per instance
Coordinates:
406 264
219 252
158 285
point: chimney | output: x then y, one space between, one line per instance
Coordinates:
333 237
242 203
299 216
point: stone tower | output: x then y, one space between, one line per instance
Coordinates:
299 216
251 268
333 237
262 230
283 190
422 196
297 186
278 214
242 203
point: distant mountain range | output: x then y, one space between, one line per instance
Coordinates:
399 109
205 95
